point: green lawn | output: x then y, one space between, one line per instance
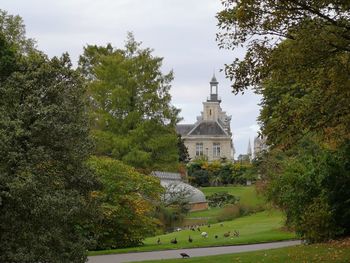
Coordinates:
260 227
247 194
211 212
313 253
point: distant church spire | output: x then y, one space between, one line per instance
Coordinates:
214 89
249 151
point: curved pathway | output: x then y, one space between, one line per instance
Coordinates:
193 252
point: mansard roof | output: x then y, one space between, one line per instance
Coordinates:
208 128
184 129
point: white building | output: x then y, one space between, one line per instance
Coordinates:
211 135
259 145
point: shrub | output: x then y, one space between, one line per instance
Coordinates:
229 212
200 178
310 183
216 173
126 201
317 223
222 198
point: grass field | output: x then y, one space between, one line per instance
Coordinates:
247 194
260 227
327 252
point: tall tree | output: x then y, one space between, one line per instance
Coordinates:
44 142
131 114
298 58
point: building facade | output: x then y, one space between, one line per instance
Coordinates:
259 145
211 135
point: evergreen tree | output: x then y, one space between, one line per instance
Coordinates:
184 157
44 143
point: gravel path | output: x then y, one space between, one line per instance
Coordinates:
193 252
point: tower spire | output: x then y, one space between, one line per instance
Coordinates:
214 89
249 151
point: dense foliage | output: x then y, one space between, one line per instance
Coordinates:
311 185
132 118
44 142
126 201
222 198
203 173
298 59
300 65
133 125
184 157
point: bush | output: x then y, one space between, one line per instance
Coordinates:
229 212
126 201
222 198
311 183
200 178
317 223
202 173
247 209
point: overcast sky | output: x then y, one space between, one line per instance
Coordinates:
181 31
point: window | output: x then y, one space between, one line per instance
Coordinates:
199 149
210 112
216 149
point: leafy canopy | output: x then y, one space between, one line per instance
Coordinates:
126 201
298 59
263 25
309 183
131 114
44 143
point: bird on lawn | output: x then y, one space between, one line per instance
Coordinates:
190 239
216 236
173 241
158 241
227 234
204 234
184 255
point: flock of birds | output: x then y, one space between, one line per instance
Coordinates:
234 233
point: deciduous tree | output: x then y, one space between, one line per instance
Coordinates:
297 57
127 204
132 117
